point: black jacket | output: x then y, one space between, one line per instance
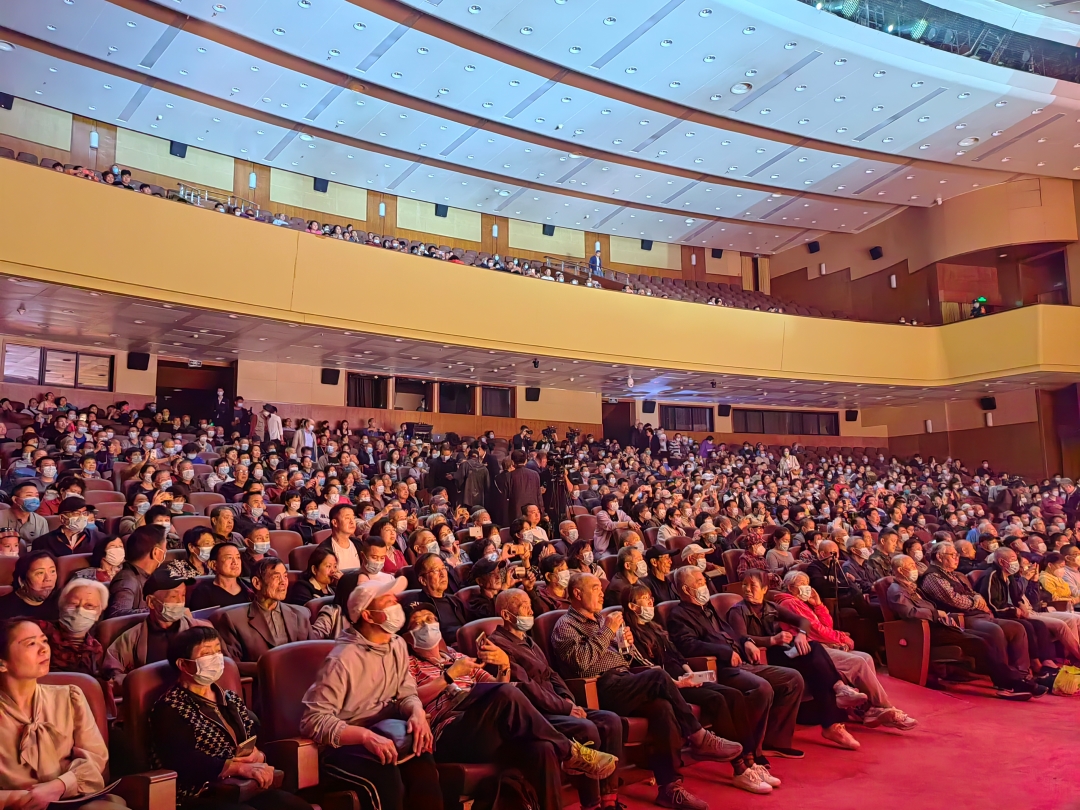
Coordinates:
531 671
1003 595
699 630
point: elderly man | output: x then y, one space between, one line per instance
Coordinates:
432 574
770 695
966 550
253 514
952 592
907 601
247 632
223 522
492 578
73 535
629 569
548 692
1003 589
659 580
363 696
587 645
145 643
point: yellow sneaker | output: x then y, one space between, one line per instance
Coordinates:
587 761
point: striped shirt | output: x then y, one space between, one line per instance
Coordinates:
951 591
584 648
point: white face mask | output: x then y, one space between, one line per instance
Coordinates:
427 636
913 575
641 568
647 613
864 553
917 555
262 547
701 595
395 619
804 592
78 620
562 579
114 556
524 623
171 612
209 668
757 551
374 566
587 557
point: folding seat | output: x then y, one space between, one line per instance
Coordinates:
26 157
656 280
7 153
48 163
182 523
907 642
283 542
205 501
298 557
141 787
68 565
586 525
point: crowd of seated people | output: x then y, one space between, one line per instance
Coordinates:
393 548
712 293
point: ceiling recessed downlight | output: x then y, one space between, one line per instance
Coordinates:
361 26
610 21
705 12
741 88
969 141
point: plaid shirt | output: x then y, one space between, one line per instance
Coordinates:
951 591
584 648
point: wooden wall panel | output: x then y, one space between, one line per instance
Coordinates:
1017 449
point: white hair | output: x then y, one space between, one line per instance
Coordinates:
82 582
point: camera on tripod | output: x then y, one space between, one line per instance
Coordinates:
550 433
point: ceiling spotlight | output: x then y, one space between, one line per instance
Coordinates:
741 88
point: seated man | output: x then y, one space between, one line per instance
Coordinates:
267 622
431 573
629 568
827 576
478 717
491 577
1003 589
226 588
144 551
551 593
72 536
887 546
223 522
773 694
363 683
659 580
907 601
587 645
165 591
253 514
758 621
256 549
952 592
341 540
22 516
548 692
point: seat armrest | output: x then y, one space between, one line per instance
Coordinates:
298 758
584 691
151 790
702 663
1061 605
239 790
958 618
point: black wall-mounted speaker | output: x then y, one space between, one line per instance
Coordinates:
441 210
723 410
549 230
876 253
718 253
138 361
648 406
813 247
646 244
330 376
321 185
532 394
988 403
6 101
851 416
177 149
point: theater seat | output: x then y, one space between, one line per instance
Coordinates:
467 635
907 643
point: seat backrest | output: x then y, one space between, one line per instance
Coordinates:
298 557
91 688
663 610
204 501
142 688
679 543
466 593
315 605
731 562
466 635
283 542
68 565
285 673
98 485
650 536
881 588
320 535
723 602
586 525
107 630
7 570
182 523
541 634
106 511
609 563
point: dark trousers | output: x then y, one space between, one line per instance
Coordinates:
1040 646
413 784
724 709
604 731
653 695
1009 639
819 674
773 695
498 724
989 659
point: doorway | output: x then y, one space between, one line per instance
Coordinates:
193 391
618 418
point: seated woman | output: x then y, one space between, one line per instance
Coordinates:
1051 580
753 558
106 560
74 649
198 727
327 623
778 559
856 667
35 593
551 593
913 548
138 504
292 511
720 705
478 717
199 542
54 749
759 622
226 588
318 580
579 557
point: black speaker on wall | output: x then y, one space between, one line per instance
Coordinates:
718 253
988 403
177 149
646 244
851 416
330 376
321 185
648 406
532 394
723 410
6 101
876 253
814 246
441 210
138 361
549 230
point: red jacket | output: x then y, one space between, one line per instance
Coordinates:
821 626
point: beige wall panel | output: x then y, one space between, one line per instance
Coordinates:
417 215
33 122
200 168
530 236
557 404
289 188
663 255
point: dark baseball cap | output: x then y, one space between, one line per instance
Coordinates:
169 576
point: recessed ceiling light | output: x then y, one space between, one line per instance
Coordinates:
800 88
675 84
1001 104
705 12
6 46
878 108
396 74
610 21
741 88
132 24
788 46
526 30
304 3
925 146
201 49
304 136
51 27
220 8
839 99
887 140
765 111
259 132
841 130
361 26
92 107
840 62
183 72
267 99
617 141
470 68
836 165
749 30
442 91
107 86
234 90
631 69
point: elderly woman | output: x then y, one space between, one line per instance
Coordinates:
74 649
34 596
856 667
914 549
199 543
198 730
53 747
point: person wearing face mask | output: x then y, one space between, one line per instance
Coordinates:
629 568
74 648
549 694
199 543
197 727
857 668
610 520
144 551
907 601
855 567
1005 593
551 592
779 559
75 535
753 556
256 548
253 514
580 557
106 560
23 515
988 544
165 592
268 622
659 580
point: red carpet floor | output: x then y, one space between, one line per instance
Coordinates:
970 751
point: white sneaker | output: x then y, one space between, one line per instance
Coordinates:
767 777
750 781
877 716
901 721
839 735
848 697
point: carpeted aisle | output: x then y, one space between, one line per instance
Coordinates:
970 751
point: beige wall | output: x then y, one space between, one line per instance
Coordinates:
663 255
558 404
125 380
1020 212
289 188
417 215
279 383
1013 408
730 264
530 236
33 122
200 168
